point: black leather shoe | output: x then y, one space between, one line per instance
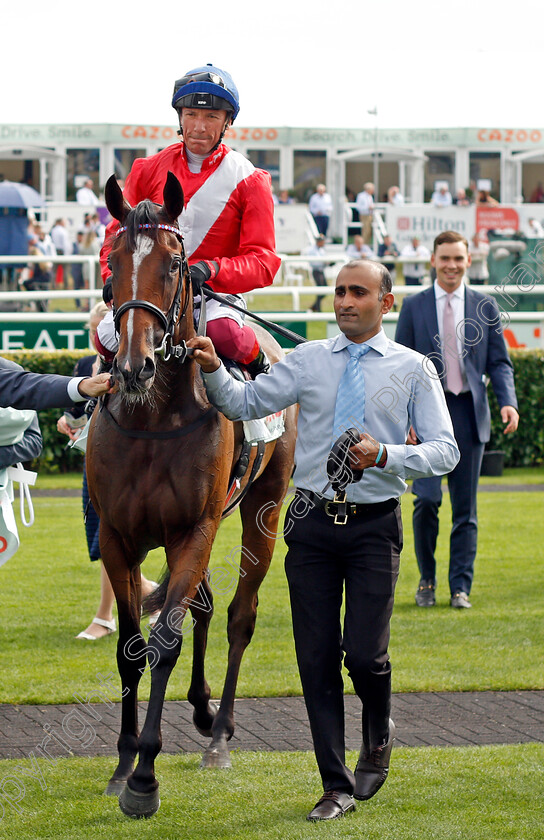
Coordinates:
425 596
372 768
333 804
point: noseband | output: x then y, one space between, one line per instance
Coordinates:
168 321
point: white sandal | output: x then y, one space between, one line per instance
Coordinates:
110 626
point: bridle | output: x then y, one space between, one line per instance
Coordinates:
169 320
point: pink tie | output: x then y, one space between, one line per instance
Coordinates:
454 377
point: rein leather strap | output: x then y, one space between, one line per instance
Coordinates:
292 336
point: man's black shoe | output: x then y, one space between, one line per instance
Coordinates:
333 804
372 768
425 596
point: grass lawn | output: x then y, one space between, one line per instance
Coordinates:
50 590
483 793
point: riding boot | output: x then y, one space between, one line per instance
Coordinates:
260 364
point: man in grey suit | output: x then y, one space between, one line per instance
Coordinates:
21 389
460 330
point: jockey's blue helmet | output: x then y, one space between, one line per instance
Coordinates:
207 87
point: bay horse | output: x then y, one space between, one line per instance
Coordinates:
159 461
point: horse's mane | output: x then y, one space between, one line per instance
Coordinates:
145 213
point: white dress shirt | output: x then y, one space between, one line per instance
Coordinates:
320 204
364 203
86 196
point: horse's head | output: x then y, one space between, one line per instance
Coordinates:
150 282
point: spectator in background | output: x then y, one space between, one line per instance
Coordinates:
285 198
97 226
395 197
415 268
441 197
71 424
461 199
537 195
352 214
320 206
357 250
63 243
318 269
387 248
365 208
484 197
42 272
461 328
90 245
77 268
478 271
534 229
85 194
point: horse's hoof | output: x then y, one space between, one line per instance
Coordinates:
216 757
138 805
211 712
115 787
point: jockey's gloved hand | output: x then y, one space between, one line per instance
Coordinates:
200 274
107 291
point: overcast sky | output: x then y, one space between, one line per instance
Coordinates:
319 63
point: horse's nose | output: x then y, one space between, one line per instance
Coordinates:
132 375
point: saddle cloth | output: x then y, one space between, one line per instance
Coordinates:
266 429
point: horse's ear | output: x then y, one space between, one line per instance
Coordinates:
115 201
173 197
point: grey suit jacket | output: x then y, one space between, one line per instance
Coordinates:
39 391
485 348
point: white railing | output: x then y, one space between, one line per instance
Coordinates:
297 291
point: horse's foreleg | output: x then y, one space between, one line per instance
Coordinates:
199 690
140 798
131 660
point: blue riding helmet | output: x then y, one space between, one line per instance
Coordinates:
207 87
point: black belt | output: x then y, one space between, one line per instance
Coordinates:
341 510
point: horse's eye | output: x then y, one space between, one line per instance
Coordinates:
175 264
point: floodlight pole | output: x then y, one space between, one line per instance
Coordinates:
376 164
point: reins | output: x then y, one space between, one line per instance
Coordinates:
292 336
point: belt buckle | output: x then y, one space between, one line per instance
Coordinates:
341 515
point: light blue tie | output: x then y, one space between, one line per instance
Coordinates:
350 399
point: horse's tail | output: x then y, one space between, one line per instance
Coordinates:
155 600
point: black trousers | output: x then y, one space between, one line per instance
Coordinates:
324 562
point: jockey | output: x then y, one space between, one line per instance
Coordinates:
228 219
